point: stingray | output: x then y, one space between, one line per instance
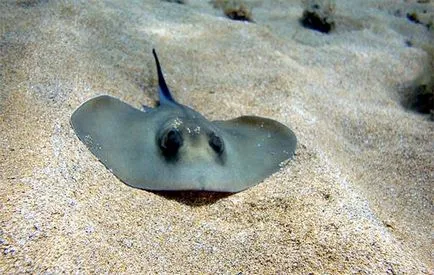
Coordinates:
172 147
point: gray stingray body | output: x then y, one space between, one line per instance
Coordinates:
173 147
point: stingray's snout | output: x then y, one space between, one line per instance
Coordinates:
187 141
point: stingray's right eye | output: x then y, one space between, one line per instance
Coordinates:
216 143
170 142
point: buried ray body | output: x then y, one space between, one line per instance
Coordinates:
173 147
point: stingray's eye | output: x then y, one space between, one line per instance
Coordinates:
170 142
216 143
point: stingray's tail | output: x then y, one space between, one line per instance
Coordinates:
163 90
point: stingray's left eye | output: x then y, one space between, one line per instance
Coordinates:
216 143
170 142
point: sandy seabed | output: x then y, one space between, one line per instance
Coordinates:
357 198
